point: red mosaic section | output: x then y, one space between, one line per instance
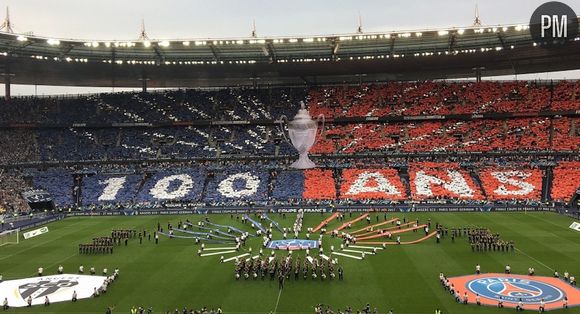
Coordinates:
319 184
509 183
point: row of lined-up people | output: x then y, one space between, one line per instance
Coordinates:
81 271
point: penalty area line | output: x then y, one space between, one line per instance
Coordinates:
537 261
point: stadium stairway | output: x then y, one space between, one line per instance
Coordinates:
144 179
551 133
77 190
477 181
337 177
547 184
272 178
404 175
119 136
205 183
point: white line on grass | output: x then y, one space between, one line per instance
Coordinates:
233 258
278 301
548 267
219 248
217 253
347 255
359 252
366 247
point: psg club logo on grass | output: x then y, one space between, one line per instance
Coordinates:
512 289
515 289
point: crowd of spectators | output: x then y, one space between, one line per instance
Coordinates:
11 187
566 96
186 185
158 142
165 106
566 133
337 181
565 180
520 134
485 135
17 146
227 147
442 98
382 183
392 99
509 183
272 182
442 181
59 182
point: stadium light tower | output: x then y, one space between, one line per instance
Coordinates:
359 29
7 25
254 34
142 33
477 20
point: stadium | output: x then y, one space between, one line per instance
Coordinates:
364 172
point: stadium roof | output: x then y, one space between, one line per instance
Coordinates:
404 55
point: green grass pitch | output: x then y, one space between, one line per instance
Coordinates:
402 278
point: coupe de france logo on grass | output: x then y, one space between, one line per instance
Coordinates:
292 245
515 289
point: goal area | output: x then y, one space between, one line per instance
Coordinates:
10 237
